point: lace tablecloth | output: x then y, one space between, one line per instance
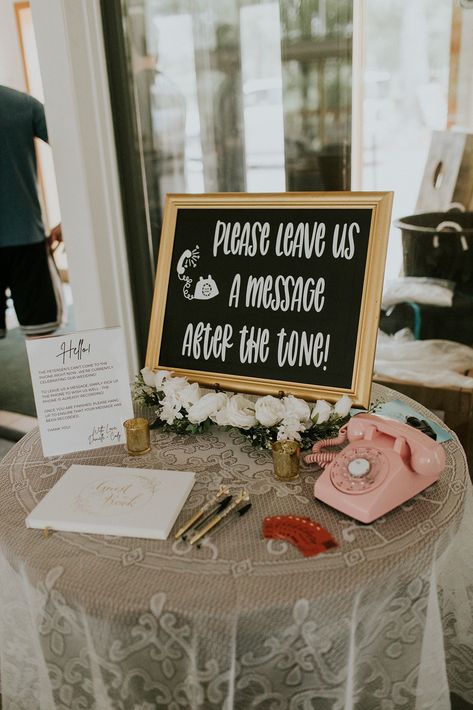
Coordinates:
383 621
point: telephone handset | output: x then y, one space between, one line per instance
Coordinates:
384 464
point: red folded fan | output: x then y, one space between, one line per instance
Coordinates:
309 537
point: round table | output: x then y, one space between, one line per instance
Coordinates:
382 621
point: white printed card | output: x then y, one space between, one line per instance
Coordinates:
81 389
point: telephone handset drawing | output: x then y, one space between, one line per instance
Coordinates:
188 258
384 464
183 261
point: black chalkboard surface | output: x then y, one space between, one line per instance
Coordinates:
268 293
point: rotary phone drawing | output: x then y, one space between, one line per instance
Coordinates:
384 464
205 288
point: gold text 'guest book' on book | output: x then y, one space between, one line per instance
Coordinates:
106 500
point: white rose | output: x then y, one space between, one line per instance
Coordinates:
323 410
148 376
172 385
207 406
241 412
189 395
297 407
159 378
269 410
221 417
343 406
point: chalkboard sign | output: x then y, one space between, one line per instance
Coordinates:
266 293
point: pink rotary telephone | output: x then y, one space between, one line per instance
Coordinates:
385 463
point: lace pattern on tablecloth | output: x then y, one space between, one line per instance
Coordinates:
90 623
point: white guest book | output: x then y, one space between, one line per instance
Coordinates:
107 500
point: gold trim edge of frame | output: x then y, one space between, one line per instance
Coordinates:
294 199
381 205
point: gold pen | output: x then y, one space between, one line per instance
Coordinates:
222 491
241 497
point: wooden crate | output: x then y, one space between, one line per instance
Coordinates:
448 174
455 403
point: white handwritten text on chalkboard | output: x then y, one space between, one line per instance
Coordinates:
256 291
201 341
272 292
279 293
297 240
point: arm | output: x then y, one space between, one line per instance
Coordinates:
55 236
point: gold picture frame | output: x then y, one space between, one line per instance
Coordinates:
353 313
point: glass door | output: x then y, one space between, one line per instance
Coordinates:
227 96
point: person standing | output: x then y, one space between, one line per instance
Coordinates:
26 264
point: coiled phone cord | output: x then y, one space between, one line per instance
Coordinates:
325 457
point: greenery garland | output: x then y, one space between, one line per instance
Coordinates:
159 391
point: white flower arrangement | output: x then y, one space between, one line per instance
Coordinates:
187 408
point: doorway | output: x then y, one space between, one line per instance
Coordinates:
16 393
234 96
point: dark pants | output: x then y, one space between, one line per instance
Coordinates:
35 286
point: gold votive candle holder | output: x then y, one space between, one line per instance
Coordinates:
286 459
137 436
